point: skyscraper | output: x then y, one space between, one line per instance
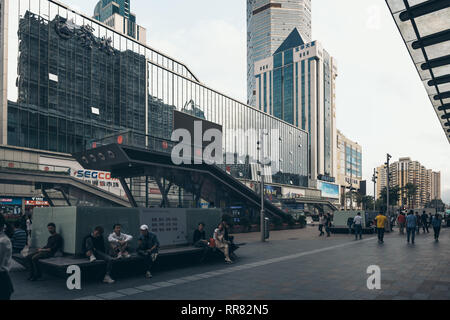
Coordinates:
117 14
269 22
297 85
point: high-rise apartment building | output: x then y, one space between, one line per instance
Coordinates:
435 185
297 85
269 22
407 171
117 15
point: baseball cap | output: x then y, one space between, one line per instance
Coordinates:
144 227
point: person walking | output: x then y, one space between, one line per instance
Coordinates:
411 225
419 222
357 222
6 286
381 225
424 218
436 223
401 222
350 225
321 224
328 224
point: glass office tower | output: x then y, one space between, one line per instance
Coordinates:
269 22
301 91
68 79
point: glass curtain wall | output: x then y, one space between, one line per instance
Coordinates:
72 80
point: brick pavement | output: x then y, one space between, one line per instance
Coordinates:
294 264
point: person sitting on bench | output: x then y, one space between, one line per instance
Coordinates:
54 244
19 238
94 247
119 242
222 244
148 246
230 239
200 241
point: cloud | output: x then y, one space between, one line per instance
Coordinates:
214 50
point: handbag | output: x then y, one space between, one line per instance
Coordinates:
212 243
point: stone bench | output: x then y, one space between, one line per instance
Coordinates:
168 258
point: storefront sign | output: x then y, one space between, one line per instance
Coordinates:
100 179
11 201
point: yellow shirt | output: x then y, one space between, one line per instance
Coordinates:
381 221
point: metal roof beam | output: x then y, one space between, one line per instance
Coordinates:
423 9
444 107
442 95
435 63
439 80
432 39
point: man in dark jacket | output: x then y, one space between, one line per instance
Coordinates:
424 218
94 247
54 244
199 240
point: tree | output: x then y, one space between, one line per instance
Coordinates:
436 203
365 202
394 196
411 191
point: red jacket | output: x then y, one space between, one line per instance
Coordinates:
401 218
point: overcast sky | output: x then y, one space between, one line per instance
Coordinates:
381 102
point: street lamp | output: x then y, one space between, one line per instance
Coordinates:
388 181
261 162
374 180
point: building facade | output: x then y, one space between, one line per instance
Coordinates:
435 185
117 15
68 79
407 171
269 22
349 167
297 85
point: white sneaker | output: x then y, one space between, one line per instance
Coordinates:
126 255
92 258
108 279
228 261
148 275
119 255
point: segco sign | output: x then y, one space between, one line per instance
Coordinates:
87 174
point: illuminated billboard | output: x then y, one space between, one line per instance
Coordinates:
329 190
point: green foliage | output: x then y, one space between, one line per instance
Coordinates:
394 195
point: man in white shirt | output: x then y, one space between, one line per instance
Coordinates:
119 242
357 221
6 287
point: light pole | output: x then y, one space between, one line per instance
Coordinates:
388 181
261 162
374 180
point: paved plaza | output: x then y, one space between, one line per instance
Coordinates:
293 265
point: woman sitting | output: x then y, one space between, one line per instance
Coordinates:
221 243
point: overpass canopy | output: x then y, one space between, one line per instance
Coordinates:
425 29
